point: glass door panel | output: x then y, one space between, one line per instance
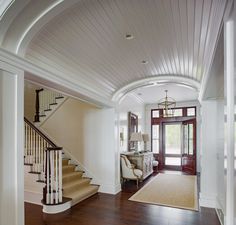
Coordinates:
172 153
172 161
155 139
173 139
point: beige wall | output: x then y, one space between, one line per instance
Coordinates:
68 124
88 134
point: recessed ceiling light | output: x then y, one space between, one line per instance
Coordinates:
129 36
144 62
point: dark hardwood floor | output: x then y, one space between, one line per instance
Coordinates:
105 209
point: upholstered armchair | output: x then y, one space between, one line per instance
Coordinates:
128 170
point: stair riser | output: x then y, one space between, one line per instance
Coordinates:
80 199
65 162
68 170
75 187
65 180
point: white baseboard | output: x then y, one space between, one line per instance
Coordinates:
33 197
208 200
110 188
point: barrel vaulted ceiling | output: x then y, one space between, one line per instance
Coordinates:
87 42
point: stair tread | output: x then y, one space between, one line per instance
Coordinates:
83 193
59 97
68 166
33 172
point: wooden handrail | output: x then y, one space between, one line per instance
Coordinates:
40 133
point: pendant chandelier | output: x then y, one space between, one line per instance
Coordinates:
168 105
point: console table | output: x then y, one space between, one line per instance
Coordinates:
142 161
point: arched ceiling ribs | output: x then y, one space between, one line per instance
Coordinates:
29 21
120 94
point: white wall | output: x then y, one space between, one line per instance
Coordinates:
220 156
148 109
209 154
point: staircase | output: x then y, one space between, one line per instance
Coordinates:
46 103
64 183
75 186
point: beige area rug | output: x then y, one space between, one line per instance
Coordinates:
179 191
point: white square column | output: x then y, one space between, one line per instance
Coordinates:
230 123
11 145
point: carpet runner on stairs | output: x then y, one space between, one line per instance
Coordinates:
75 186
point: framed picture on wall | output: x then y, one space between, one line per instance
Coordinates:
132 127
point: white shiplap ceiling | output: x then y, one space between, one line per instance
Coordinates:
153 94
87 42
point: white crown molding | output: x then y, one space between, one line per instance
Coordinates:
119 95
39 74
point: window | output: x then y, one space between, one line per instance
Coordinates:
191 112
175 113
155 139
178 112
155 114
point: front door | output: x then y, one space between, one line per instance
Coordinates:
189 147
172 146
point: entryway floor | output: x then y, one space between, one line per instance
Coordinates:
105 209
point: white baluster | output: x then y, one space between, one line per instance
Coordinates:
52 175
54 97
43 102
28 144
48 96
56 181
44 160
31 145
48 178
39 155
60 175
35 152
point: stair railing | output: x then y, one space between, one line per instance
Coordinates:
45 159
35 144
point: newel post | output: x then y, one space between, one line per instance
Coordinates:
36 117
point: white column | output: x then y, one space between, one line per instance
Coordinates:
11 145
229 87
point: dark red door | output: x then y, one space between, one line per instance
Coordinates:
189 147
